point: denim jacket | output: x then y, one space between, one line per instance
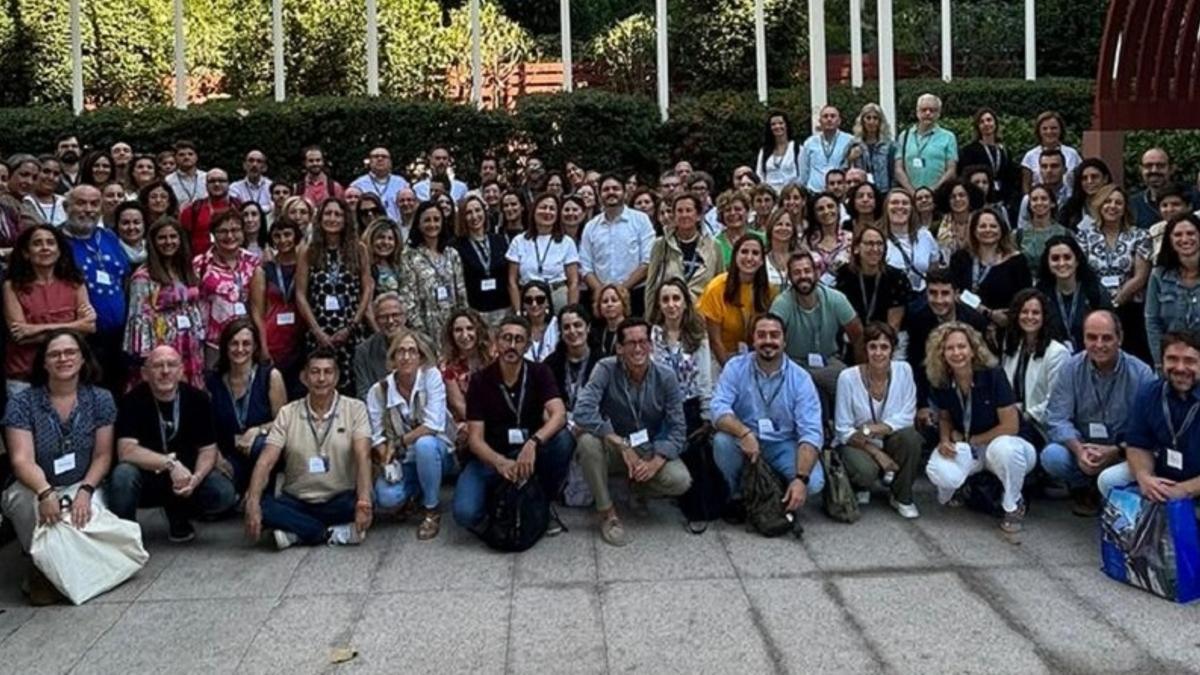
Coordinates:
1169 306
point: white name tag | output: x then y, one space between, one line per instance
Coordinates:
918 163
285 318
332 304
516 436
182 322
67 463
639 438
970 299
103 278
443 293
816 361
1111 280
1174 459
487 285
1097 430
766 426
317 465
239 309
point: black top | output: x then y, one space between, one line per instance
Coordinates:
148 421
894 291
487 402
919 325
570 378
989 392
997 286
1008 174
602 340
475 271
1069 310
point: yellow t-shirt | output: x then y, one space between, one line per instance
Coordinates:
734 320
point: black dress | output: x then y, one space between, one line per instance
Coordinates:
484 265
995 287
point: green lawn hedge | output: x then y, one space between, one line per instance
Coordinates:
717 130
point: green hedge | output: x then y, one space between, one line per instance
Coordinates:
717 130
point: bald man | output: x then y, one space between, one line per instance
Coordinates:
255 187
197 217
381 182
167 450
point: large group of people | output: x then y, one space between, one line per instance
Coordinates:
314 355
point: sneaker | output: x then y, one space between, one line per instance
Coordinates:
908 511
284 539
430 525
613 532
180 531
1013 521
345 535
1085 502
697 526
864 497
555 527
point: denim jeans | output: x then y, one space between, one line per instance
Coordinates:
422 476
550 468
1059 462
243 467
781 455
131 487
309 521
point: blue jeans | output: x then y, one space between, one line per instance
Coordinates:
550 467
1060 463
780 455
309 521
422 476
243 467
131 487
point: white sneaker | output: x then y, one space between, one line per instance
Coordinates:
864 497
345 535
284 539
908 511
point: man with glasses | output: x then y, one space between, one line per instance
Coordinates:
381 182
516 427
1156 172
370 357
255 187
197 217
631 417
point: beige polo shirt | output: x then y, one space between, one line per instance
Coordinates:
293 432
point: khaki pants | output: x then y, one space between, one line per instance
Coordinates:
904 447
599 458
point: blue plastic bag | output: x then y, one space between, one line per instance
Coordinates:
1151 546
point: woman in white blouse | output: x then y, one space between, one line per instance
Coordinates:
408 430
681 342
911 247
544 253
873 418
1033 353
776 161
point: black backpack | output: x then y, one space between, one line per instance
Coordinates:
762 493
517 515
705 499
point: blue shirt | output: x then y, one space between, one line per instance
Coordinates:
787 398
31 411
1082 397
386 189
817 157
1148 429
104 266
990 391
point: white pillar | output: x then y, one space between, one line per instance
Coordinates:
372 48
760 49
664 91
816 59
564 12
856 52
277 49
477 58
947 55
181 78
76 60
1030 42
887 69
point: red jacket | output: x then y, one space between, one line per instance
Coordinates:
197 220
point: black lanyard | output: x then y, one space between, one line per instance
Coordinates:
967 411
978 278
320 438
284 288
165 432
1187 418
542 255
483 250
870 399
869 306
1068 317
519 405
1023 358
573 374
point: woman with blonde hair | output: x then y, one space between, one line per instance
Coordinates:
733 208
783 239
873 150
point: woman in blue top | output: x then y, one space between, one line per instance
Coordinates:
1173 297
247 393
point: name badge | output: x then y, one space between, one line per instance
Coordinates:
182 322
443 293
239 309
1111 281
285 318
394 472
1174 459
816 361
918 163
970 299
487 284
828 279
67 463
766 426
1097 430
332 304
639 438
317 465
516 436
103 278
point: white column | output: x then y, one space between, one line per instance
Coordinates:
372 48
760 49
856 52
664 91
477 58
887 69
816 59
947 55
564 12
277 49
1030 42
181 78
76 60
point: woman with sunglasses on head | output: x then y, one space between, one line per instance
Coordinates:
537 305
484 268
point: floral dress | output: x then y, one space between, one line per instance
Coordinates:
166 315
829 261
1113 266
224 291
333 295
438 289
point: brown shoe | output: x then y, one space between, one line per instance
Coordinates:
430 525
1085 502
41 592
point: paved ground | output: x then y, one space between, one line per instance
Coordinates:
942 594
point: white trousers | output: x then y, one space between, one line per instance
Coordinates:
1010 458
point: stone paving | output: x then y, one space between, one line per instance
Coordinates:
942 594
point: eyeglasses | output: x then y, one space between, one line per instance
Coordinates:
636 344
534 299
62 354
226 233
511 338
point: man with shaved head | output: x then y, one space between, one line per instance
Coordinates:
198 216
255 187
381 182
167 450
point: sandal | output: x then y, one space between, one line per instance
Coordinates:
430 525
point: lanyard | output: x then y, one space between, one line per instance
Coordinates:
862 373
1101 405
978 276
320 438
768 400
49 218
574 373
256 196
994 161
921 146
541 255
375 184
439 270
1187 419
869 306
191 194
240 410
1023 358
691 263
519 405
965 404
283 287
1068 317
65 431
828 148
483 251
165 431
635 407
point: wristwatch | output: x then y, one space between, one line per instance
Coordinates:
866 430
802 477
90 489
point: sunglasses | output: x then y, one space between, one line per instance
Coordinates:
534 299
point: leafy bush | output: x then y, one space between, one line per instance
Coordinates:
626 54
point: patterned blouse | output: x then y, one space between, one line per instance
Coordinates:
439 288
53 439
1114 265
224 291
694 369
829 261
166 315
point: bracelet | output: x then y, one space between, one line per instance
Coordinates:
90 489
745 434
41 497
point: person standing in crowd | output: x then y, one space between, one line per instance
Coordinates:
200 217
371 362
273 301
59 435
826 149
1091 175
23 173
732 299
783 239
1040 203
680 341
44 293
911 248
733 207
388 268
686 252
874 150
1156 169
1032 353
1052 171
1172 202
255 187
300 211
254 230
324 441
514 215
926 153
333 287
1171 300
437 272
957 200
159 201
979 422
187 181
616 245
516 425
317 185
876 290
440 165
96 169
225 273
247 393
165 162
1091 405
485 269
988 150
409 425
43 203
777 154
381 182
825 238
1050 130
991 267
537 306
609 309
111 196
131 230
122 157
574 216
167 449
864 206
874 421
794 200
543 253
142 172
164 303
67 153
631 417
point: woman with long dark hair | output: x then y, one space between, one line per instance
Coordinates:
1065 277
828 242
466 349
1040 207
436 270
544 253
776 162
991 268
273 302
864 204
1032 353
957 200
485 270
988 150
734 298
1091 175
1174 291
158 200
611 306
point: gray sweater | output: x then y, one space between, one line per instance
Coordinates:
605 406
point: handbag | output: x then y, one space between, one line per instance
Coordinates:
1150 545
83 563
841 503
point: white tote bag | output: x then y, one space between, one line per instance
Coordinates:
85 563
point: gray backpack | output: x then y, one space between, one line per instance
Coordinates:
841 503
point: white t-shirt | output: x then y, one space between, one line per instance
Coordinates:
778 171
1071 160
542 258
54 214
